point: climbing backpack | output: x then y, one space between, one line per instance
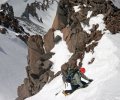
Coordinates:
70 75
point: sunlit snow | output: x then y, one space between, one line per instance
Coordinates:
62 53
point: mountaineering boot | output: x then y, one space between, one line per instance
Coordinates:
84 86
65 93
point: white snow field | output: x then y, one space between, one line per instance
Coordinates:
13 59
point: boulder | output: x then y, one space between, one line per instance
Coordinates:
47 64
47 56
3 31
23 92
51 73
92 60
57 39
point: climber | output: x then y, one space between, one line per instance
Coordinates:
74 78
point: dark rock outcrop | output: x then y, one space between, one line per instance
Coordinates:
92 60
8 20
113 22
23 37
38 69
3 30
57 39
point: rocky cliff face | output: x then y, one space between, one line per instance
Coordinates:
69 22
78 40
38 69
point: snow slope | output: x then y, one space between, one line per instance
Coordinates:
62 53
13 53
105 71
